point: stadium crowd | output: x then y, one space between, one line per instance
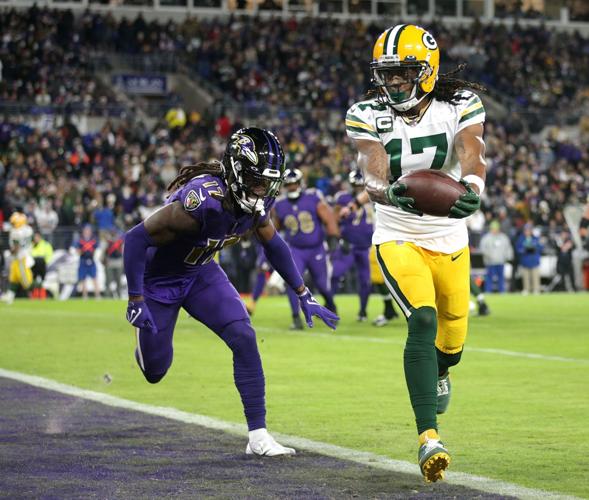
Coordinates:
37 45
314 62
118 175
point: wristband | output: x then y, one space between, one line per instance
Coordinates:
477 181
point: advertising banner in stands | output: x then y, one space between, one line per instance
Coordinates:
141 84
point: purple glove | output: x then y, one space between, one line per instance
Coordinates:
139 316
312 308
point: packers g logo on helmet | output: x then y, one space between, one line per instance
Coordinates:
402 54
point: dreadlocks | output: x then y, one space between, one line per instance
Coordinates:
188 172
447 86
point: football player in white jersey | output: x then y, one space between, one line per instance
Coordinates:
19 258
417 119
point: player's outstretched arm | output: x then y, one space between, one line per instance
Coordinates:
470 149
160 228
280 258
329 219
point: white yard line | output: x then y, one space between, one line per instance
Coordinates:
398 341
361 457
310 333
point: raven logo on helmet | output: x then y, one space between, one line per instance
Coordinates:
247 149
405 55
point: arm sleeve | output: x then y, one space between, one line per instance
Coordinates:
280 258
137 241
359 123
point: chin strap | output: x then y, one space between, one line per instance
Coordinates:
293 195
409 103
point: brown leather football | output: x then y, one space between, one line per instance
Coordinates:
434 192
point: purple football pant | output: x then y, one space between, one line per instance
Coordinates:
316 261
212 300
342 263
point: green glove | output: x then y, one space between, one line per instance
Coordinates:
394 195
467 204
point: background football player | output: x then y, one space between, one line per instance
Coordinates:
169 264
376 277
263 268
417 119
18 259
356 232
302 214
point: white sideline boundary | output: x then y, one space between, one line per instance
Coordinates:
361 457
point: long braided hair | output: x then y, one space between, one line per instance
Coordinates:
447 86
214 168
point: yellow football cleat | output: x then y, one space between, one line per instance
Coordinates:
433 457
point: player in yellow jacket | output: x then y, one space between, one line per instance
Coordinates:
417 119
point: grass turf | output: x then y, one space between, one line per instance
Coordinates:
512 417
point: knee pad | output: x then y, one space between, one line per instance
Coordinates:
423 323
239 336
152 378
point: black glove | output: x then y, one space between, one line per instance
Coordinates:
332 243
394 195
467 204
344 246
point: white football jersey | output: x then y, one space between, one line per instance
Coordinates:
429 143
24 237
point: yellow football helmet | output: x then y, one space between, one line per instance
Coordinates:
17 220
405 53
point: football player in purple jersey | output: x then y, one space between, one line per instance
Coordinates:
305 218
356 230
169 265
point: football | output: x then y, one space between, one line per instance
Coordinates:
434 192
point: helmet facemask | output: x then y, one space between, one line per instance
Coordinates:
250 189
392 79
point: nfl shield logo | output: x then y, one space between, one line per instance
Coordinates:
192 201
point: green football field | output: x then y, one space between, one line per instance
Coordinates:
520 404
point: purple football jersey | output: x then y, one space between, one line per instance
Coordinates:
357 228
174 265
299 219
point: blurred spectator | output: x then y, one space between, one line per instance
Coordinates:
497 251
42 253
46 219
529 249
87 246
565 272
104 216
584 235
113 262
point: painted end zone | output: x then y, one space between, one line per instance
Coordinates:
63 441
